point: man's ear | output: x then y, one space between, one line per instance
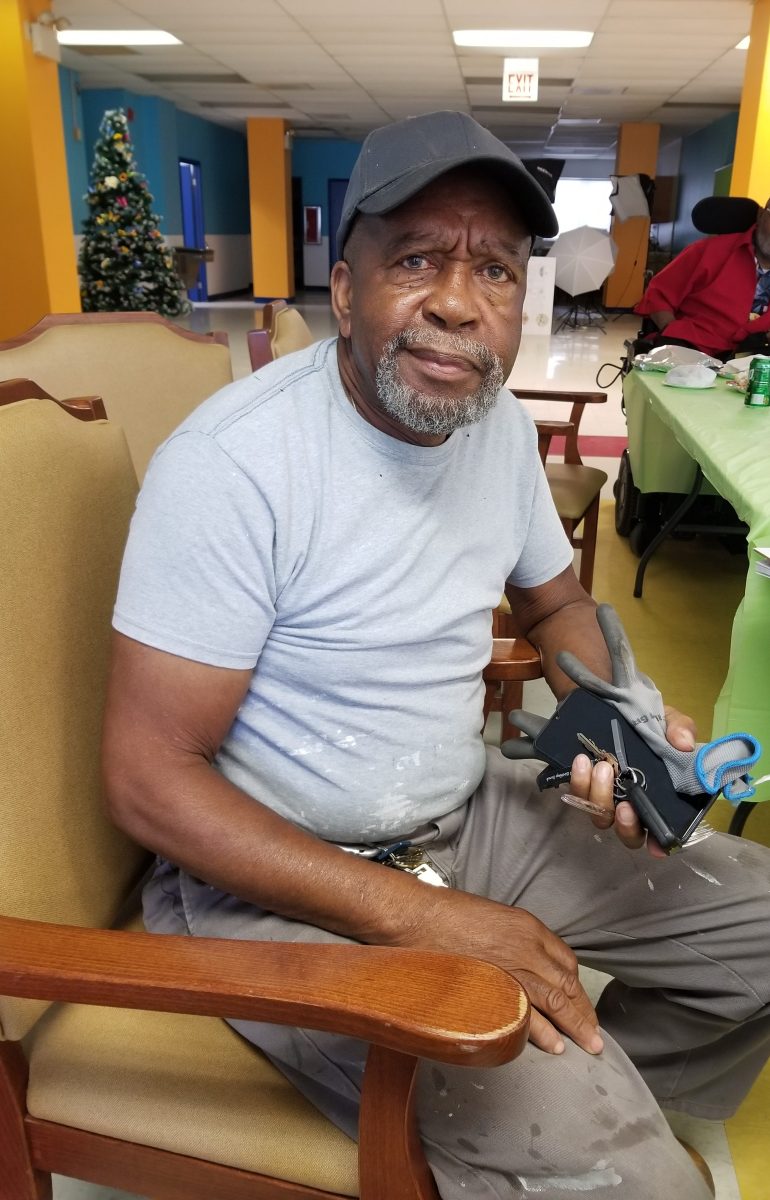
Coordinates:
342 296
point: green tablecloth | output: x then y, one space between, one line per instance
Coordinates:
732 444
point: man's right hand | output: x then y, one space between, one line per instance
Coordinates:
513 939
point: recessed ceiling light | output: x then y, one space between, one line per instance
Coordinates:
522 38
744 43
116 37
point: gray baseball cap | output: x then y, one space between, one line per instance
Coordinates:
399 160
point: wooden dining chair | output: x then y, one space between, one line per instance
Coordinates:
115 1064
575 487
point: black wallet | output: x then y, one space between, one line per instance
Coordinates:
669 816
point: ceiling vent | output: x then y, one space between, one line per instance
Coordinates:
178 77
104 51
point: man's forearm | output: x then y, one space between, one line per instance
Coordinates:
560 615
189 813
572 628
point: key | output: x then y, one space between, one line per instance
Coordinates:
598 753
596 810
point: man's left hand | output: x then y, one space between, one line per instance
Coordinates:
596 784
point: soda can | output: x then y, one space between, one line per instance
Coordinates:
758 390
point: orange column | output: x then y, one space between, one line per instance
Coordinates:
272 253
37 246
637 154
751 165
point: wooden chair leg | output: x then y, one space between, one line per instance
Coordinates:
588 551
513 697
391 1159
20 1180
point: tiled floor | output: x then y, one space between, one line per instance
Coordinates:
569 359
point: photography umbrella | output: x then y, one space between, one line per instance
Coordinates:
584 258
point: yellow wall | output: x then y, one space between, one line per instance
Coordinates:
637 153
37 247
751 166
270 203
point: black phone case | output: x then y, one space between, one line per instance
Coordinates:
670 816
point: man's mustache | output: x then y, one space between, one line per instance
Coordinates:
446 343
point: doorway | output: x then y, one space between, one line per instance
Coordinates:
193 225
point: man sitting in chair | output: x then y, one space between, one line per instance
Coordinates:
303 619
715 295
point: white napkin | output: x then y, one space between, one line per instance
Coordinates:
691 375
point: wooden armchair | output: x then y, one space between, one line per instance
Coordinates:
283 331
115 1065
575 487
149 372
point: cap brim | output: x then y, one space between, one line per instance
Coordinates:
527 196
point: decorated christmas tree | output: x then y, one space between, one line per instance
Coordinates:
125 265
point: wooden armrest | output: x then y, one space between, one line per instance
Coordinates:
513 659
447 1007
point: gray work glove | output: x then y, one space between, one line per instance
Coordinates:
710 767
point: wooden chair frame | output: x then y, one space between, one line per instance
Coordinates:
85 408
260 350
52 320
259 341
407 1003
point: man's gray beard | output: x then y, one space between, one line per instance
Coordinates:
437 415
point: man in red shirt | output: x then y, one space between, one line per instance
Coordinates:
715 295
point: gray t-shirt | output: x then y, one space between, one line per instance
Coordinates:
278 530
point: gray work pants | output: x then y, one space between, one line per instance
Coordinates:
685 1019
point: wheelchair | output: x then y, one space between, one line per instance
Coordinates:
648 493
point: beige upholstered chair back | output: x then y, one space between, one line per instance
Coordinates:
67 490
290 332
150 374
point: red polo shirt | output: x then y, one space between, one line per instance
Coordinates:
710 289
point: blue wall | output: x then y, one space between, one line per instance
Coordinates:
222 155
160 135
316 161
74 144
703 153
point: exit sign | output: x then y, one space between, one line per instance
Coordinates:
520 79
